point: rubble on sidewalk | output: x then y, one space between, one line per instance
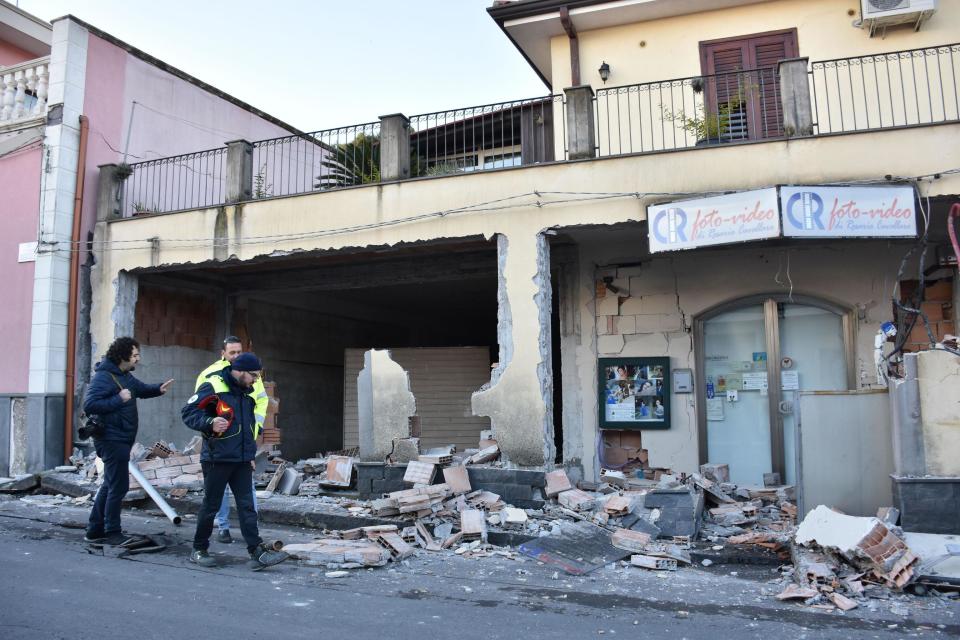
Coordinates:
831 561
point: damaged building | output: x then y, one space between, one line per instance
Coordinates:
682 255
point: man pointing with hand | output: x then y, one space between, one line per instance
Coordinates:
112 396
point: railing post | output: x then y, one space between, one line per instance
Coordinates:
108 193
239 185
795 97
581 141
394 147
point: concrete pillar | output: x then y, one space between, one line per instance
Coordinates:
581 138
125 306
908 452
239 185
384 405
519 399
394 147
795 97
108 193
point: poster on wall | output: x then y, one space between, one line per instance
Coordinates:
634 393
848 212
734 217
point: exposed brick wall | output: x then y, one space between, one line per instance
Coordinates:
937 306
168 318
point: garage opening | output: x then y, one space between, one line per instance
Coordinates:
311 317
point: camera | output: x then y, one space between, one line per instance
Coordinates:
91 427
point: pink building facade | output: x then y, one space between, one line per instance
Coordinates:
135 108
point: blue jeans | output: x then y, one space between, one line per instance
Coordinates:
223 515
105 514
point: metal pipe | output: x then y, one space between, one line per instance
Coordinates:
153 493
73 294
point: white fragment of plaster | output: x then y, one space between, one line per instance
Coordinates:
827 528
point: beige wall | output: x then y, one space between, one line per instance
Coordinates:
938 374
669 291
671 49
515 402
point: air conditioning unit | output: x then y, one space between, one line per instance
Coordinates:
877 15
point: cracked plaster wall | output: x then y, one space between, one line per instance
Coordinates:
668 291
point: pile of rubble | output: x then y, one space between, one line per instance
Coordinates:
830 561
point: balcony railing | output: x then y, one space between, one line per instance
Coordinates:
189 181
489 136
687 112
861 93
24 91
341 157
897 89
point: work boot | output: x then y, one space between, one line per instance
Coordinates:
224 536
203 558
263 557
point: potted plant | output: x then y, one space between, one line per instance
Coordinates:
710 126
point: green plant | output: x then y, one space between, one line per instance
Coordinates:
122 172
351 163
725 122
705 124
260 187
141 208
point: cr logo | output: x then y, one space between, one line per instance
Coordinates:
669 226
811 208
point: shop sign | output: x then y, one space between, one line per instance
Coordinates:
848 212
736 217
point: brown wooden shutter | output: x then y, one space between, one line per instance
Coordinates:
757 91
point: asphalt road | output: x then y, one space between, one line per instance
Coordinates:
55 586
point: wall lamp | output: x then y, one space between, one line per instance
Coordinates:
604 71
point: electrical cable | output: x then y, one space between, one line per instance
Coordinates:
589 196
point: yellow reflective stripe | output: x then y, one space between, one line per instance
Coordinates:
262 394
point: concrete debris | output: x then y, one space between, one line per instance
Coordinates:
17 484
864 543
660 523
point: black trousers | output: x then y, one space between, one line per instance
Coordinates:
216 476
105 514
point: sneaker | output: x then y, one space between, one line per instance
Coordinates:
224 536
263 557
115 539
94 536
203 558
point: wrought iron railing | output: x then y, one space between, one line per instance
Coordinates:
490 136
341 157
886 90
688 112
188 181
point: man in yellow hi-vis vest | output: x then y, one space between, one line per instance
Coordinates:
232 348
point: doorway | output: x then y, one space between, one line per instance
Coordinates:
754 357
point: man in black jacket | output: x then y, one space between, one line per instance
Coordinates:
112 396
222 410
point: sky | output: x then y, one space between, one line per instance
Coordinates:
323 63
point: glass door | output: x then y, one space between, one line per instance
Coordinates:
756 358
737 411
812 358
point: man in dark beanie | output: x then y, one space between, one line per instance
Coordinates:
222 410
112 397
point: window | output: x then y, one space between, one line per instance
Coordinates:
742 84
